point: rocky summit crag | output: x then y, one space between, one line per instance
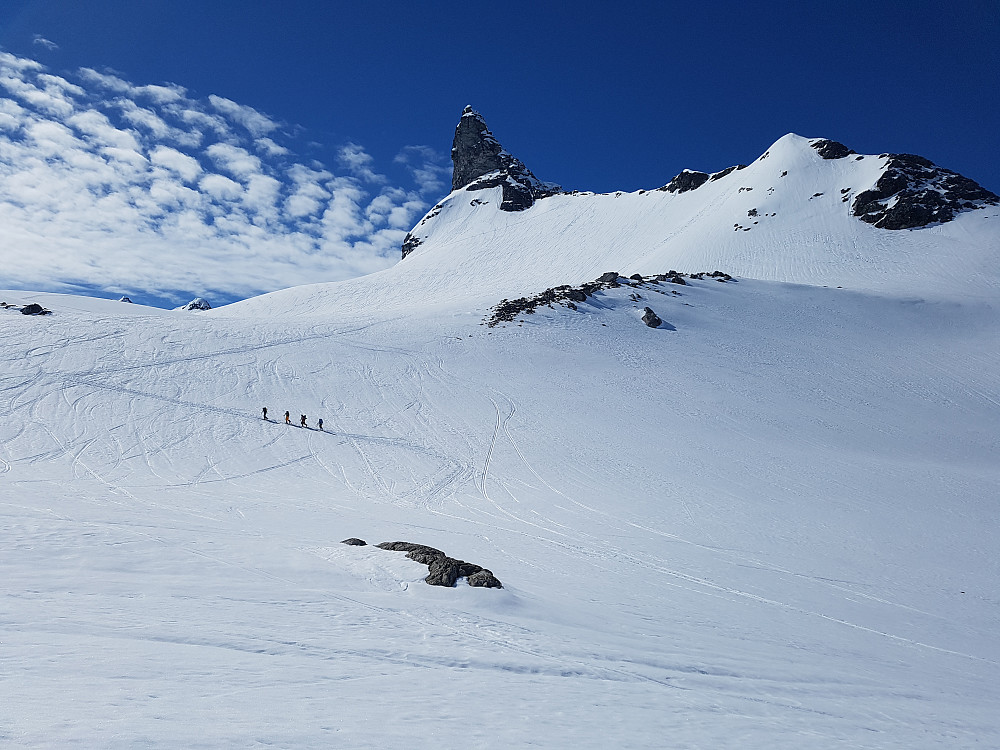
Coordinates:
480 162
896 192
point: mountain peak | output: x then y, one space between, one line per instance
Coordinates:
476 152
480 162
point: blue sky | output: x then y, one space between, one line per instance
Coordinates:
594 96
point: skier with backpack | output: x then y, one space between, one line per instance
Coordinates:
302 421
288 418
320 424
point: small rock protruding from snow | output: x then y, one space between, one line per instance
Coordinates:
650 318
198 303
355 542
125 299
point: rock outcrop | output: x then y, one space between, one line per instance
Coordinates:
198 303
828 149
914 192
685 181
444 570
507 310
480 162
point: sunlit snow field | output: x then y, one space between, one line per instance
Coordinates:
772 527
768 524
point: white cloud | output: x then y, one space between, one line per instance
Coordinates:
110 186
41 41
18 64
220 187
100 129
51 101
235 160
258 124
161 94
359 162
187 167
269 147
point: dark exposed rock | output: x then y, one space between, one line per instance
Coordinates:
507 310
125 299
518 193
914 192
651 319
419 552
828 149
410 243
480 162
32 309
198 303
685 181
444 570
355 542
483 578
726 171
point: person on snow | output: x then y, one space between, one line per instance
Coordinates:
265 413
321 424
288 418
302 420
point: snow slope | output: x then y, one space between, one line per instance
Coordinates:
769 524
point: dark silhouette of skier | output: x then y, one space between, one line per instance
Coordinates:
320 424
302 421
288 418
265 413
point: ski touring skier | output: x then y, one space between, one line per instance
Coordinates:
320 423
302 421
265 413
288 418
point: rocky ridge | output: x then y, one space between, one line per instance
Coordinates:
910 192
914 192
507 311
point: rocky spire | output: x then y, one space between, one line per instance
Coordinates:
481 162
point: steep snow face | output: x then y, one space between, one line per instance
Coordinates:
785 217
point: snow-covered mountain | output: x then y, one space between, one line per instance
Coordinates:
766 522
808 211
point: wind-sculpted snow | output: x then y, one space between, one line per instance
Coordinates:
772 527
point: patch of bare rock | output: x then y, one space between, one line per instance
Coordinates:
569 296
442 569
